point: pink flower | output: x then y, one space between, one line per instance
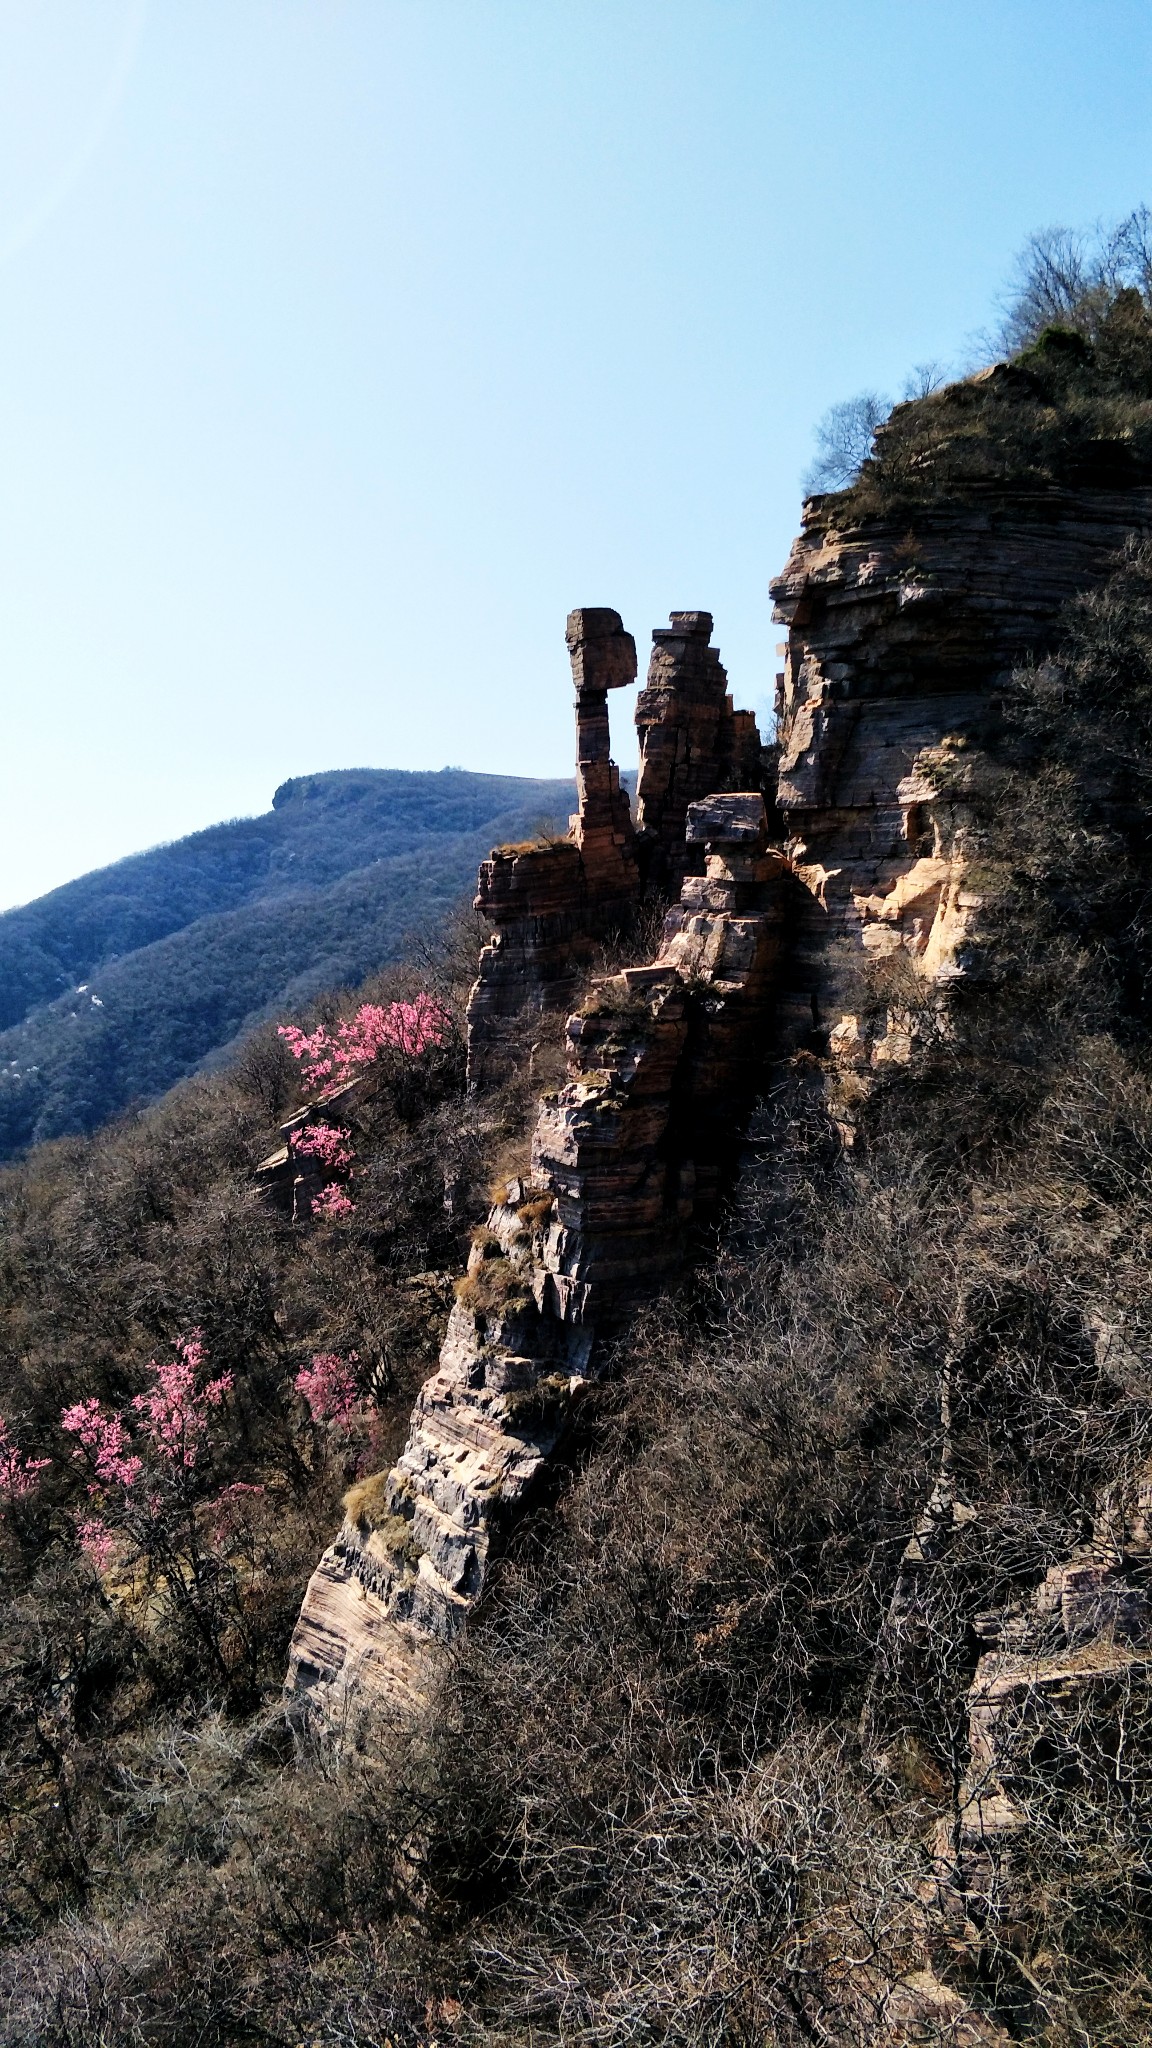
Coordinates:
411 1028
19 1476
323 1142
105 1439
332 1204
97 1542
175 1416
329 1386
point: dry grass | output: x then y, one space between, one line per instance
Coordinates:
368 1503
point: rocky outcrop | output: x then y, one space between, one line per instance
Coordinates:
1056 1717
552 900
626 1156
289 1178
692 744
632 1149
897 644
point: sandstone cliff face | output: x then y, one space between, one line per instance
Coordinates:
896 646
692 744
551 901
624 1157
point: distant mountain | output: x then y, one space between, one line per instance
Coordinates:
118 984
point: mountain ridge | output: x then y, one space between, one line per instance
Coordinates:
116 985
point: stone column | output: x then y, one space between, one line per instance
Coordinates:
692 743
603 658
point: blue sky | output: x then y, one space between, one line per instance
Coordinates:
346 344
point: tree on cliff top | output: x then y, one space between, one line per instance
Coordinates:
1070 277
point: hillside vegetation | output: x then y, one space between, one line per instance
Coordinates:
115 986
681 1782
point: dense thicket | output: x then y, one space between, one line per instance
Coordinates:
183 949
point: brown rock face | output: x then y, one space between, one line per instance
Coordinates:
603 658
551 902
896 646
692 742
625 1157
897 642
1066 1670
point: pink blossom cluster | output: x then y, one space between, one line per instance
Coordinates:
175 1416
329 1386
325 1143
141 1462
106 1441
19 1476
411 1028
332 1204
97 1542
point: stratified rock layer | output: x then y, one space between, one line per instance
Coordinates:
692 744
897 645
551 901
625 1157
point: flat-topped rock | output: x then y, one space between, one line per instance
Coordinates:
731 820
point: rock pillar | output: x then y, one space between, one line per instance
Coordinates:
551 899
692 743
603 658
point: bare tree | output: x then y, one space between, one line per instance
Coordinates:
923 379
844 441
1068 277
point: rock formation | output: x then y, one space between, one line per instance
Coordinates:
896 648
552 900
897 644
692 744
1059 1692
289 1178
625 1157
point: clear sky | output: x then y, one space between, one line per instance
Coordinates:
346 344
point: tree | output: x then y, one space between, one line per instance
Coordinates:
1069 277
844 441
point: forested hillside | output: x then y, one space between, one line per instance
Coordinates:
117 984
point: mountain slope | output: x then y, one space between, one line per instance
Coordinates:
118 984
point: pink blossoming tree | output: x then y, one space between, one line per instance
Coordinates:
19 1481
330 1056
325 1143
152 1509
332 1204
329 1387
19 1475
331 1149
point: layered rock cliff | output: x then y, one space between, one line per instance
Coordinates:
899 641
551 900
626 1158
898 644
